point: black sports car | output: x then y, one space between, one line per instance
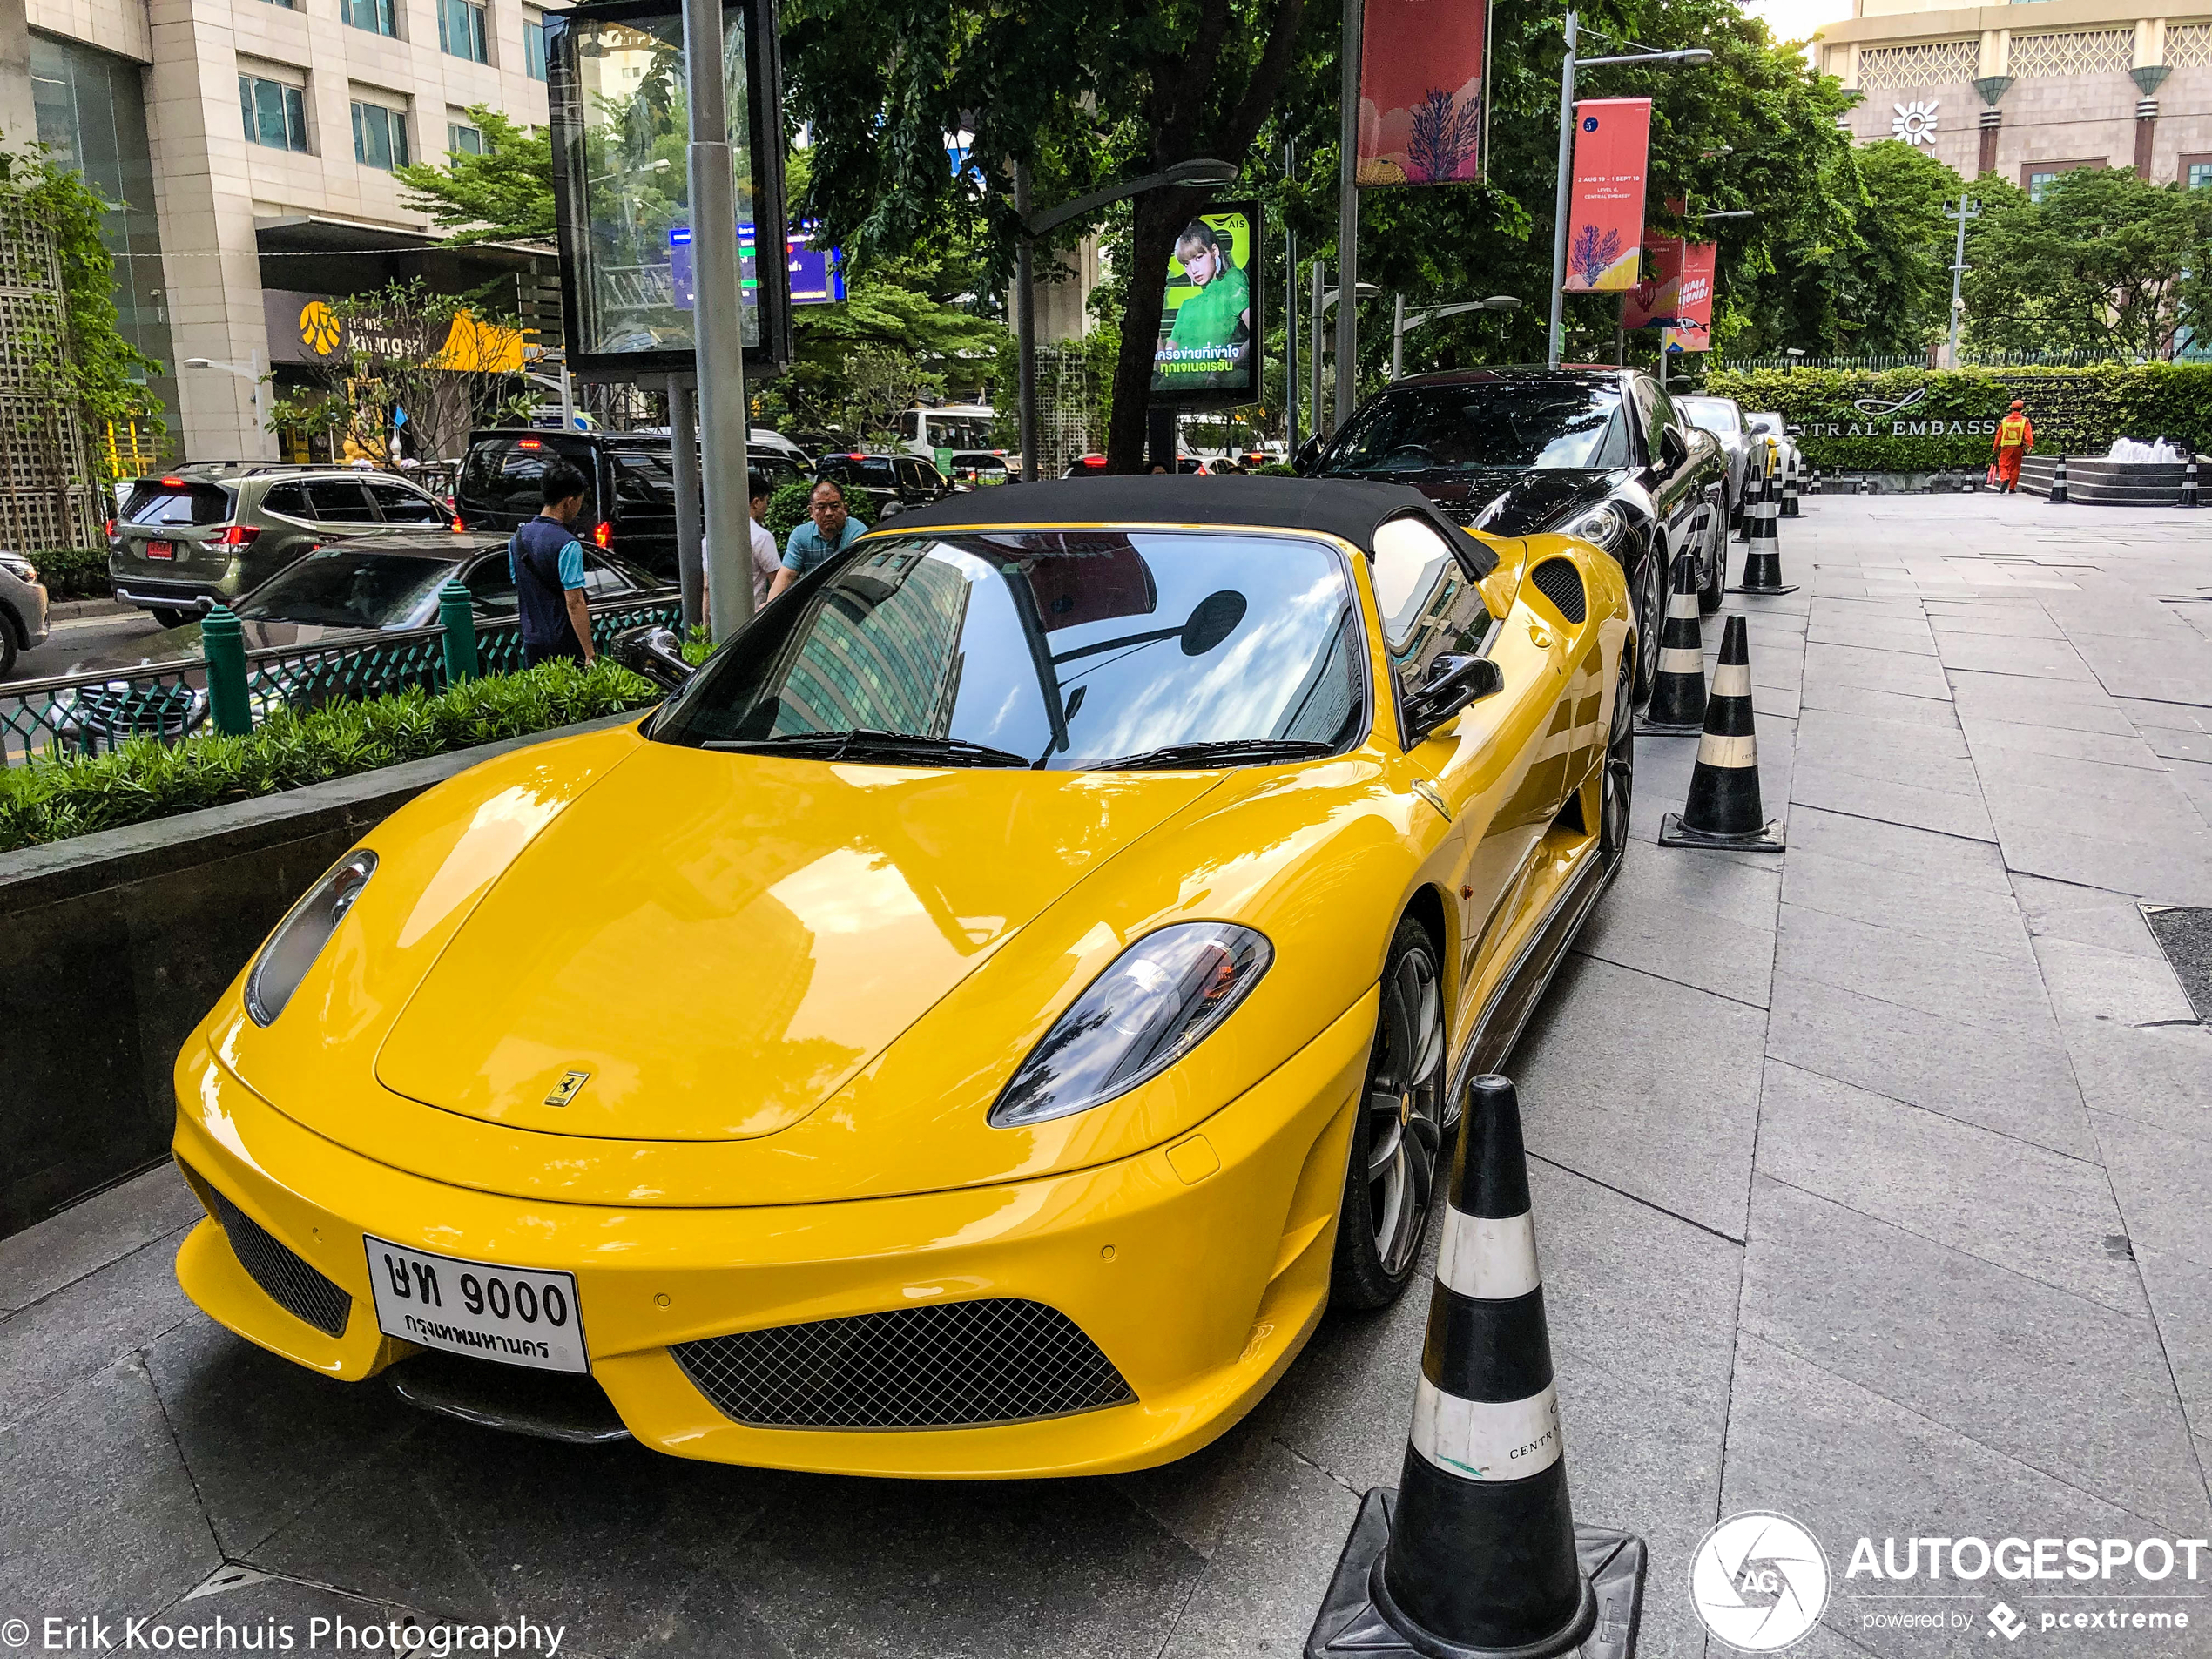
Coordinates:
1599 454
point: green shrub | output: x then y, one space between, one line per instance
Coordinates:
52 799
787 508
73 572
1276 469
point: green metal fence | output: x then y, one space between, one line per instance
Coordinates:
87 713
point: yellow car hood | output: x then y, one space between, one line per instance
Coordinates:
721 942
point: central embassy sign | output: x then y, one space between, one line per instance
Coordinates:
1874 426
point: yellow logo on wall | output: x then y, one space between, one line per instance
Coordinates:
318 328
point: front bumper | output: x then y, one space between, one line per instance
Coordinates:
1198 1268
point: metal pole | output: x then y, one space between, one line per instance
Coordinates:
1397 335
717 320
1025 281
683 462
568 400
1313 370
1558 346
1621 334
1289 316
1966 209
1348 218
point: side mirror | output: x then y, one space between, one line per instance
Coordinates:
1455 680
1673 450
655 653
1309 457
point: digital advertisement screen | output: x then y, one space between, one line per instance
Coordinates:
1211 326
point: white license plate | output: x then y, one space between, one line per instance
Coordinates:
516 1315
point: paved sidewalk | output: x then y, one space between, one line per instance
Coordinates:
1871 1181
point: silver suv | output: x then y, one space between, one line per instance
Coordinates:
211 532
23 610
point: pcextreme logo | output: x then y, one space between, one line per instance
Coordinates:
1758 1581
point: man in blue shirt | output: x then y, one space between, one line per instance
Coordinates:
548 564
832 530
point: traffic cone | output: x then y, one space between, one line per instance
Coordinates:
1866 483
1789 493
2058 479
1678 689
1754 489
1477 1553
1723 805
1762 549
2188 483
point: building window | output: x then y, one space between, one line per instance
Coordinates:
463 140
275 115
2196 171
461 31
2036 176
378 16
534 45
380 137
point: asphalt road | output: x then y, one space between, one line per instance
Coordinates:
74 638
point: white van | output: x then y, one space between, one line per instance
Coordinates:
954 429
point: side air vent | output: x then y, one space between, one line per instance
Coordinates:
1561 583
290 1282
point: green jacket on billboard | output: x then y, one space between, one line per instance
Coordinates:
1209 317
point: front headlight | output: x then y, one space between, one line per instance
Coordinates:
1602 526
300 936
22 566
1153 1006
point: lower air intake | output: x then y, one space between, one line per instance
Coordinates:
291 1283
949 1365
1562 583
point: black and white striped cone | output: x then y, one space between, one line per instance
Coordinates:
1762 549
1753 490
2188 484
1866 483
1724 806
1790 492
2058 480
1477 1553
1678 689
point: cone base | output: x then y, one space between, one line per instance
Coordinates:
1674 833
1668 728
1353 1621
1756 592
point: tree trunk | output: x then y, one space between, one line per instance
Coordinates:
1159 215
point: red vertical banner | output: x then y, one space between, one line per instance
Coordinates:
1422 91
1605 219
1694 309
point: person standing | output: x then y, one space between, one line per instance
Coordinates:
2015 437
830 529
766 561
548 565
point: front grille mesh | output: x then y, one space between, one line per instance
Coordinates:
291 1283
950 1365
1562 583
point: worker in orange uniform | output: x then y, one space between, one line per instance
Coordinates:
2015 437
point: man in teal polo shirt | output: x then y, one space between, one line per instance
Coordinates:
830 529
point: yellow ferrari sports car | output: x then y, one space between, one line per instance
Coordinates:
973 1027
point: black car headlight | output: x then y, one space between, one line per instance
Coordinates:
1602 527
292 949
1158 1001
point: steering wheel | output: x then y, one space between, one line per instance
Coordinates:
1421 450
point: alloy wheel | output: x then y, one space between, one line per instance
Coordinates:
1651 611
1616 785
1404 1109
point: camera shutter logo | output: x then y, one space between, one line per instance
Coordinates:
1758 1581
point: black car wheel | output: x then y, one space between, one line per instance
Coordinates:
169 617
1396 1140
7 648
1617 786
1709 596
1651 613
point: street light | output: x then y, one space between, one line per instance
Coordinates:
1729 212
1322 301
1202 172
1403 322
1689 58
252 377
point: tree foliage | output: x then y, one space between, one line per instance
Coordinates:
503 195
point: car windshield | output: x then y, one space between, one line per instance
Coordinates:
860 469
341 588
1512 423
1064 651
959 432
1716 415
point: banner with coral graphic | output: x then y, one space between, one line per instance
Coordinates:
1605 223
1422 91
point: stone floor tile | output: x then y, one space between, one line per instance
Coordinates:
1998 739
2047 659
2023 700
87 1236
88 1325
2013 623
1989 979
1929 907
1893 799
1830 735
2096 983
2175 870
2161 1177
1888 705
1950 858
1880 671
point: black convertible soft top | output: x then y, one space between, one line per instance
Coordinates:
1350 508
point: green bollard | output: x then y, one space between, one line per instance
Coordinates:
222 642
458 618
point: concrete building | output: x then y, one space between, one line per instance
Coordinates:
251 143
2032 90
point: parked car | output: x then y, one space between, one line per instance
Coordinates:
760 438
1771 426
208 533
1724 418
1094 466
975 471
878 486
1599 454
23 610
342 594
629 506
1022 880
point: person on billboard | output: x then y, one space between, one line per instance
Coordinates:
1220 313
2015 437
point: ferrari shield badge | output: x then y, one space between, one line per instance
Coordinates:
565 1090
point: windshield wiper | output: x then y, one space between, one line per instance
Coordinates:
1176 755
867 743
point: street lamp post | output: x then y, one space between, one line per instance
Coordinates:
1323 299
1964 211
1203 172
252 377
1403 322
1568 69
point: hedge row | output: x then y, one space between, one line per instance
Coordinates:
2076 411
73 572
52 799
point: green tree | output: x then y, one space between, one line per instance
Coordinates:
503 195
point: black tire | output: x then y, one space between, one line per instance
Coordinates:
8 648
1397 1164
1649 600
1617 782
169 617
1708 596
